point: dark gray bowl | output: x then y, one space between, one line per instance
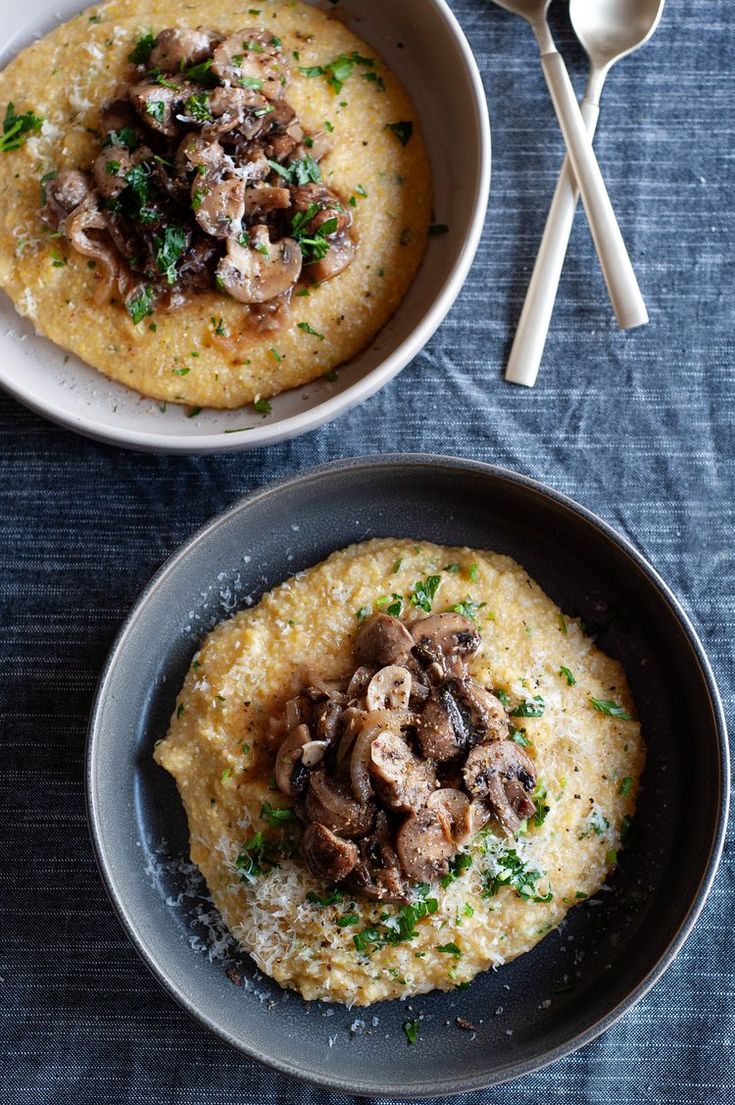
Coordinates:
545 1004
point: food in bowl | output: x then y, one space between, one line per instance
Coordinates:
209 210
401 767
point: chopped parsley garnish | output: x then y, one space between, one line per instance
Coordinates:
251 82
219 327
140 305
275 355
262 406
402 131
533 708
468 609
317 246
411 1028
198 107
502 696
112 168
193 412
332 898
255 858
610 709
513 871
17 128
450 949
156 109
567 675
424 591
542 806
125 137
169 247
401 926
348 919
180 709
57 260
625 786
261 247
310 330
302 171
226 774
158 77
393 604
276 816
375 78
563 624
201 72
596 824
457 867
337 71
329 126
362 613
518 736
181 371
143 49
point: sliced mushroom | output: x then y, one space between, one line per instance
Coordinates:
64 193
330 802
314 752
487 716
456 809
341 254
445 635
79 228
358 684
229 107
402 780
252 57
424 846
262 198
376 722
378 872
389 689
353 720
261 271
219 205
328 856
110 170
442 729
327 716
115 115
318 146
502 774
179 47
202 153
291 773
157 105
383 640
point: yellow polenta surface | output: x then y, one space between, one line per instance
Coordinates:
69 73
246 668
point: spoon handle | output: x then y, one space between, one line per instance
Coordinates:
621 282
533 326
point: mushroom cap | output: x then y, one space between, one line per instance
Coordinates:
252 54
378 873
329 802
389 689
109 170
219 205
178 48
402 781
375 723
327 855
425 846
456 808
251 276
501 773
442 730
156 105
383 640
440 636
290 771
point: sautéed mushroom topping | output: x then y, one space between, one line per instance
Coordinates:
394 769
205 178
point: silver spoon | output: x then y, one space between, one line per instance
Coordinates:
608 30
621 283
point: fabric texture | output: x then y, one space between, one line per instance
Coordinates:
637 426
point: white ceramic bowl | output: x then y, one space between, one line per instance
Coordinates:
417 38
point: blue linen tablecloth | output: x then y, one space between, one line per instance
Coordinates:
639 427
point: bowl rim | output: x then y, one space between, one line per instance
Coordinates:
297 424
458 465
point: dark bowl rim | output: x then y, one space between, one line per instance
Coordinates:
694 907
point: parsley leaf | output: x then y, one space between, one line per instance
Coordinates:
332 898
310 330
276 816
302 171
140 305
143 49
169 247
611 709
424 591
402 131
567 675
411 1028
533 708
17 128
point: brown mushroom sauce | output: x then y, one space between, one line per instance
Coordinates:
205 178
392 771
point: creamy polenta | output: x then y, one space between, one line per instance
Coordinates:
571 713
202 349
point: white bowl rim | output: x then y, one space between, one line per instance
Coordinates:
298 424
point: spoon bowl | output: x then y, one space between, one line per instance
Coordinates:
610 29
